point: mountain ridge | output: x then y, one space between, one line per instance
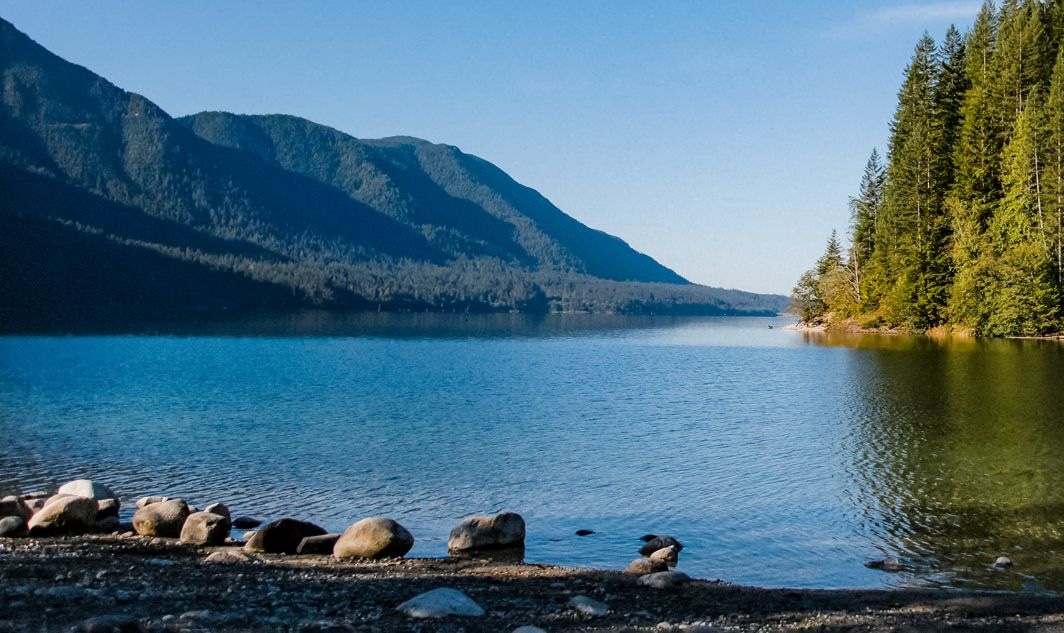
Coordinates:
279 206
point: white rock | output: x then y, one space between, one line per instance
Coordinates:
440 603
87 488
1003 561
588 606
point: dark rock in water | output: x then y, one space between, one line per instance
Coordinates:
502 531
65 514
887 564
106 525
376 537
585 532
109 624
659 542
282 536
246 523
205 528
12 527
318 544
165 518
644 566
646 538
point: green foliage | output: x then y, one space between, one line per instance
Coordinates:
969 230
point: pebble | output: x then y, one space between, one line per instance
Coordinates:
588 606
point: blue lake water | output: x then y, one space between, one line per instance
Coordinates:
778 458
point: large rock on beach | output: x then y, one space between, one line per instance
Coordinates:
161 519
205 528
282 536
13 506
659 542
668 554
665 579
147 501
323 544
12 527
440 603
64 514
478 533
87 488
644 566
220 508
107 508
375 537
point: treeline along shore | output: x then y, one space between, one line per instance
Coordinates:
962 227
68 563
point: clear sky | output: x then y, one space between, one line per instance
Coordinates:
721 138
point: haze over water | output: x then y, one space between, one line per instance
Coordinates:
778 458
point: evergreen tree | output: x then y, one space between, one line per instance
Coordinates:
1054 170
864 221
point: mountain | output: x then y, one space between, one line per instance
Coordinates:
112 208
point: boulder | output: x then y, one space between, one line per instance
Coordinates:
12 527
88 488
665 579
323 544
1002 562
147 501
282 536
502 531
106 508
440 603
644 566
659 542
205 528
13 506
374 538
35 503
667 554
165 518
246 523
220 508
64 514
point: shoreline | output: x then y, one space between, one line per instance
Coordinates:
55 583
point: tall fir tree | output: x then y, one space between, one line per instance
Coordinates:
1054 172
864 222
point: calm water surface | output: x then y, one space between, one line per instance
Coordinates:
778 458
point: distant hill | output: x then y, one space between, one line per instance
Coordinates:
112 208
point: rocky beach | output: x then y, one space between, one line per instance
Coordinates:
178 569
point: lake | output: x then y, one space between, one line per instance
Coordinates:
779 458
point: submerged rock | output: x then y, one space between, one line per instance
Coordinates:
440 603
660 542
282 536
165 518
886 564
502 531
585 532
246 523
375 537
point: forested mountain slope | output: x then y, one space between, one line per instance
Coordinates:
112 207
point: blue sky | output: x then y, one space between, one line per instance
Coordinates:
721 138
